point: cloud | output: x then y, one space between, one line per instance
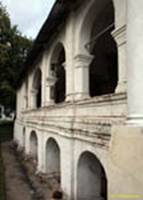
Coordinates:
29 15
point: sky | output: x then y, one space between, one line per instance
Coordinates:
29 15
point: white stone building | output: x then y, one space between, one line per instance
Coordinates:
80 102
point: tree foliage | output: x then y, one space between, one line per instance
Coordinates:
13 51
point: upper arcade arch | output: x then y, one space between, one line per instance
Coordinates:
58 74
89 14
37 87
95 39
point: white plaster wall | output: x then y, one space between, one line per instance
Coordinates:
66 159
125 162
38 133
121 162
70 151
18 132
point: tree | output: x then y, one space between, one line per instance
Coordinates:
13 52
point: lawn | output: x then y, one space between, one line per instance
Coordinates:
6 131
6 134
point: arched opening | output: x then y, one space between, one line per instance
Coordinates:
34 145
104 67
37 82
91 178
58 72
23 138
53 159
96 39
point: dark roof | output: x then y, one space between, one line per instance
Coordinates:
57 16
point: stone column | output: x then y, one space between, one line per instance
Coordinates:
22 98
25 97
25 94
69 81
33 98
81 64
135 61
25 102
50 82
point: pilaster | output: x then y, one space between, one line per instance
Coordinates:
135 62
119 34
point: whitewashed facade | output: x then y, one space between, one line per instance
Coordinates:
80 108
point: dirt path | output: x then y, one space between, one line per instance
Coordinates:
17 187
21 178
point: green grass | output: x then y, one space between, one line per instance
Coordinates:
6 134
6 131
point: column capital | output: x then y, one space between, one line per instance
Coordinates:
81 64
64 65
82 60
119 35
50 81
34 92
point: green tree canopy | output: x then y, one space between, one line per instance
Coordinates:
13 52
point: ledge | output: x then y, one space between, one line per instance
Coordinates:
104 100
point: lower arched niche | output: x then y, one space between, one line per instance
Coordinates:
34 145
53 159
91 178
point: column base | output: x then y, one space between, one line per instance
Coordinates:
69 97
136 121
48 103
121 88
81 96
